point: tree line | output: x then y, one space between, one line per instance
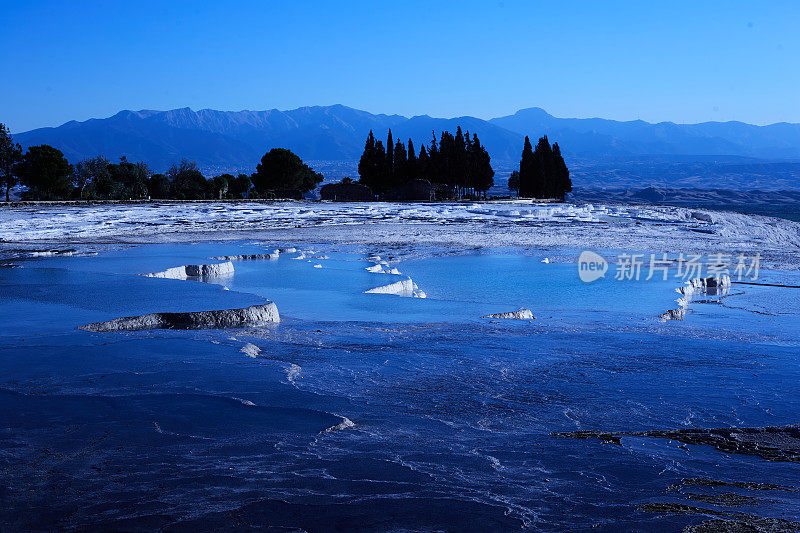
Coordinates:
457 164
49 176
542 172
453 166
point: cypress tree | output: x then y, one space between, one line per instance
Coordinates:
543 172
469 180
446 161
564 183
544 169
412 170
423 164
482 173
526 171
389 177
459 167
381 181
370 166
400 164
434 168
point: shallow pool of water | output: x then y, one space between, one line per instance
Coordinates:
375 411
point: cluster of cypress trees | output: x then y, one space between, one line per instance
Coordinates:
542 172
458 163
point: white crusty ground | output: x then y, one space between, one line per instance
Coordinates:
459 225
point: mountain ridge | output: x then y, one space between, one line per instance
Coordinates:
235 140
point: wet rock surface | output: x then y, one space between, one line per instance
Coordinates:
722 496
722 521
773 443
520 314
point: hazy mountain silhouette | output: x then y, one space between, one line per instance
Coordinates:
636 137
229 140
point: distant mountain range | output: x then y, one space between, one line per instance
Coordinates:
235 140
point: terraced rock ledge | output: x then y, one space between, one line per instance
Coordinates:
217 270
255 315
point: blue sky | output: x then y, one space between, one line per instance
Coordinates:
678 61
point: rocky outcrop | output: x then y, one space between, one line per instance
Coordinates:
520 314
773 443
247 257
401 288
217 270
255 315
711 286
53 253
674 314
405 288
382 268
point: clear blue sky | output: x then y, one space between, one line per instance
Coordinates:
679 61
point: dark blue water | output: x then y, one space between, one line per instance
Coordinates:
367 411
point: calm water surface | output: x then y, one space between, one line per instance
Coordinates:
370 411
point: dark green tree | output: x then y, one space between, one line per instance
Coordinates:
423 163
388 170
412 168
527 171
481 173
46 173
130 179
369 166
372 166
400 174
459 165
542 172
545 169
445 162
281 170
240 186
382 181
221 185
513 182
159 187
10 156
563 181
433 168
188 183
92 175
